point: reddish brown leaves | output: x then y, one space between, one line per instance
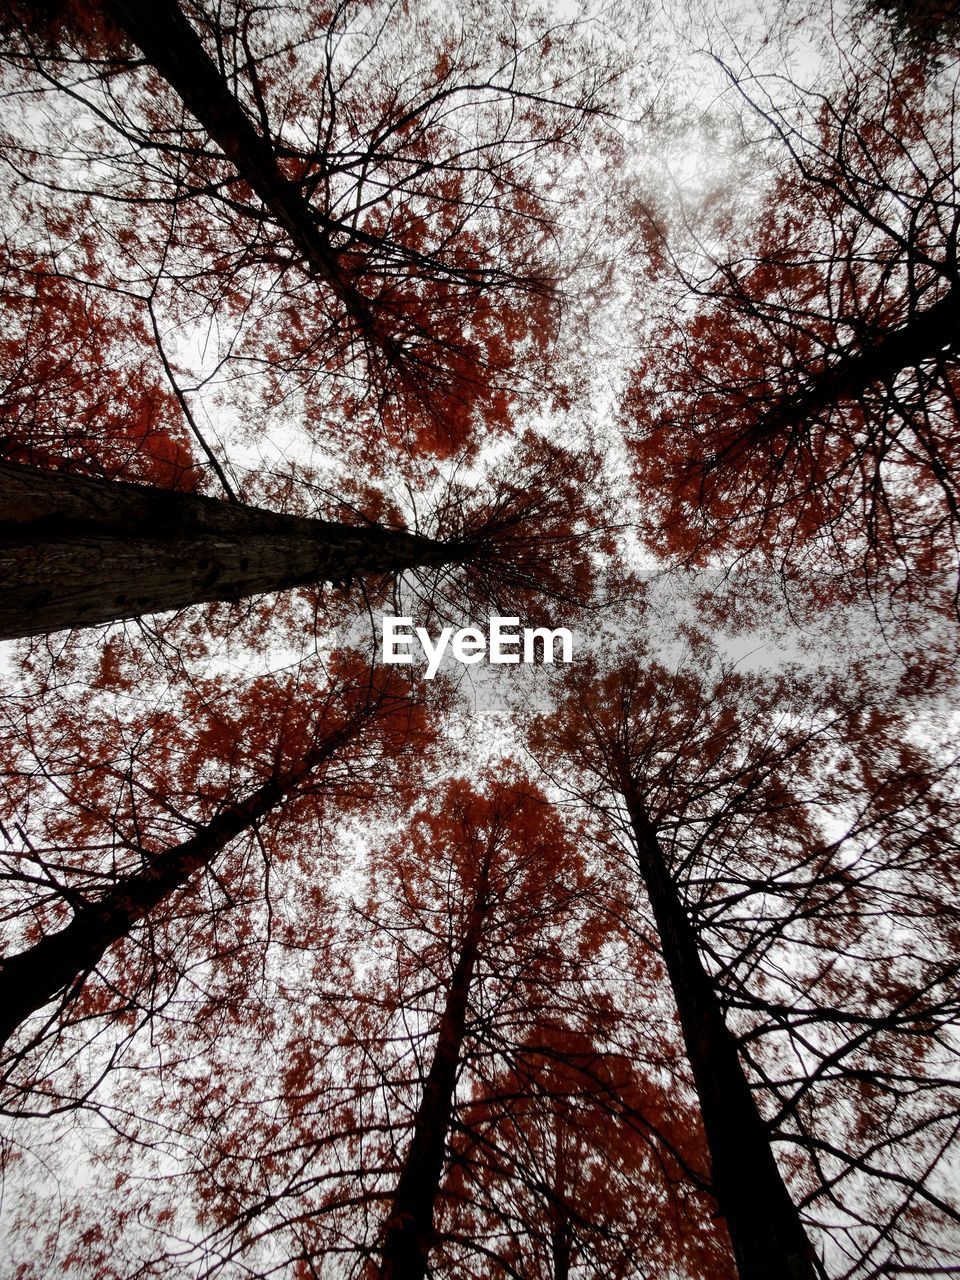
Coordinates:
79 388
804 406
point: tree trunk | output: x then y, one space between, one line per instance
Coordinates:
409 1230
77 551
172 47
928 334
561 1236
560 1245
768 1237
31 978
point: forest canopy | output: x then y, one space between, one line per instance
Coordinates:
479 618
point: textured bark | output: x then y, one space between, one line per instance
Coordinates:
77 551
768 1237
172 47
31 978
409 1231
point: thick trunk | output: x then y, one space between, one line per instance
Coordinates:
172 47
560 1248
409 1231
765 1229
77 551
928 334
31 978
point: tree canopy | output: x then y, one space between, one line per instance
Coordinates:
614 350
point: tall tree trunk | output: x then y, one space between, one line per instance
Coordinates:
560 1244
169 43
561 1236
409 1230
31 978
769 1241
77 551
926 335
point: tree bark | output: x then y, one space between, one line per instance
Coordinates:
410 1230
77 551
767 1235
162 32
31 978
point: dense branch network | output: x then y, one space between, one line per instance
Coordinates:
640 965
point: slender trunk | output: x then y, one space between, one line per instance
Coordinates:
560 1234
169 43
409 1230
768 1237
77 551
31 978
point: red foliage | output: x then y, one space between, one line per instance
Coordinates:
79 389
802 405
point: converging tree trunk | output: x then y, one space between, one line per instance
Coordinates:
76 551
928 335
561 1236
765 1229
172 47
409 1231
31 978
